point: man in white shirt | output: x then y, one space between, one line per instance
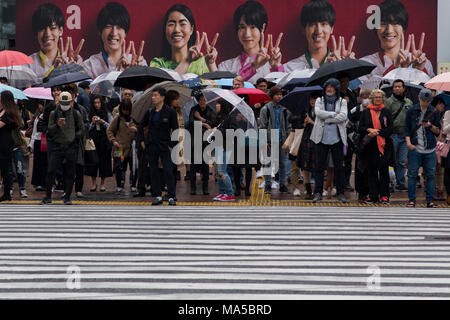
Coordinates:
113 23
318 18
393 52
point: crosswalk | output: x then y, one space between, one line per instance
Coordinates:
106 252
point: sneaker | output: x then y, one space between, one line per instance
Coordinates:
11 192
267 190
342 198
157 201
40 188
275 185
284 189
262 185
172 202
384 200
80 195
133 189
23 193
67 201
317 198
166 198
217 198
369 201
325 193
119 190
259 174
227 198
46 201
297 193
333 192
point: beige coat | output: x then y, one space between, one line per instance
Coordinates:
124 136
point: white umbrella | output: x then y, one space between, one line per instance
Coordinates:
407 75
297 74
371 83
275 76
19 76
175 75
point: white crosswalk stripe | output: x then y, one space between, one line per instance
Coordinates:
224 253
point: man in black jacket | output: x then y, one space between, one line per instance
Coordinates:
161 121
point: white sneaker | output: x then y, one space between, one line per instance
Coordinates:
333 192
297 193
262 185
325 193
259 174
119 189
133 189
275 185
23 193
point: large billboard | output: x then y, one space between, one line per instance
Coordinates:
352 18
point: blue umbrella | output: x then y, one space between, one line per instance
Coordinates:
66 79
19 95
355 84
229 83
297 100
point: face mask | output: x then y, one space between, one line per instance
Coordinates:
65 108
365 102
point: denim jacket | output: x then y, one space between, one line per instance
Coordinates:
412 121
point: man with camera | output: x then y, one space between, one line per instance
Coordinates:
65 125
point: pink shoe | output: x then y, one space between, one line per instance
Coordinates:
227 198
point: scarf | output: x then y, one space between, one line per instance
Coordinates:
381 142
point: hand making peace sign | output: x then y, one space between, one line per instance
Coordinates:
136 59
195 52
275 52
67 54
211 51
410 55
340 51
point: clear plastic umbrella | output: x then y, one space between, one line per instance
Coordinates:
240 107
19 76
103 85
407 75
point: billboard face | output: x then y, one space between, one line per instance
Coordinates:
352 18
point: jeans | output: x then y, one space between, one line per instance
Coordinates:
225 185
401 153
281 170
415 161
17 166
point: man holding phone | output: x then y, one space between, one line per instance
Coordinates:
66 127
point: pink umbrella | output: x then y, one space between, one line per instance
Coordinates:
39 93
10 58
254 95
440 82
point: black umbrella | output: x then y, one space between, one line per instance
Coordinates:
412 91
66 79
139 77
217 75
297 101
65 68
352 68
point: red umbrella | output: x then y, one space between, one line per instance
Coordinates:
254 95
10 58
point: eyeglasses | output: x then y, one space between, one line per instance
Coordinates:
128 94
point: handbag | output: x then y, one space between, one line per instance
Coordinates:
43 142
288 142
442 149
90 145
295 146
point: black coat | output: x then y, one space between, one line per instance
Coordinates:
387 127
168 122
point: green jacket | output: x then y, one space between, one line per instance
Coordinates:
393 104
71 132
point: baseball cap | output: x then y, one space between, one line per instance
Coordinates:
425 95
65 98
